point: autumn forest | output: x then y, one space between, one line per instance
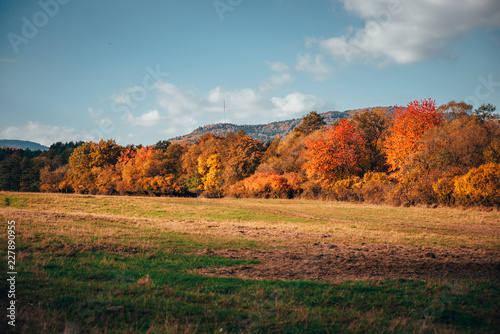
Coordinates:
408 155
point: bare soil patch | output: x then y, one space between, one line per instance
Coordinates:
334 263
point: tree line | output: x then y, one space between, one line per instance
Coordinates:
417 154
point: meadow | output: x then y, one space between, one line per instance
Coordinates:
113 264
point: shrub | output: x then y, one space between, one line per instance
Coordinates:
312 190
480 186
267 185
375 187
347 189
160 185
443 188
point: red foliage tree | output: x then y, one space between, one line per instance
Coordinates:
335 153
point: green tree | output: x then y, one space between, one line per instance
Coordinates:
30 175
485 112
162 145
10 172
310 123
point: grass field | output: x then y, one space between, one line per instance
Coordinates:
96 264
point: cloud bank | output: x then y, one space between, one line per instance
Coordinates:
407 31
44 134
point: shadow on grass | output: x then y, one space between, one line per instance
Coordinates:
107 292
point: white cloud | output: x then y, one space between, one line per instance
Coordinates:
180 111
94 114
130 96
295 103
277 80
148 119
406 31
278 67
176 101
242 104
180 125
317 66
247 106
44 134
309 42
7 60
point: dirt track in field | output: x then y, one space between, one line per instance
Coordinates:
334 263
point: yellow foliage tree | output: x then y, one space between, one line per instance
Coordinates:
210 171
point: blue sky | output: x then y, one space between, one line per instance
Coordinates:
144 71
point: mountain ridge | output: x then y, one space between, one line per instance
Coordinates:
263 132
22 145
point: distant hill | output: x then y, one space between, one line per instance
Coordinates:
262 132
22 144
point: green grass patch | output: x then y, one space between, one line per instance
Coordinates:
7 200
104 292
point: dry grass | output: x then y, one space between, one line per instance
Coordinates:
291 232
265 220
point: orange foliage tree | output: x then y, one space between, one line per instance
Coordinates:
145 170
408 126
56 180
239 157
87 162
335 153
135 166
